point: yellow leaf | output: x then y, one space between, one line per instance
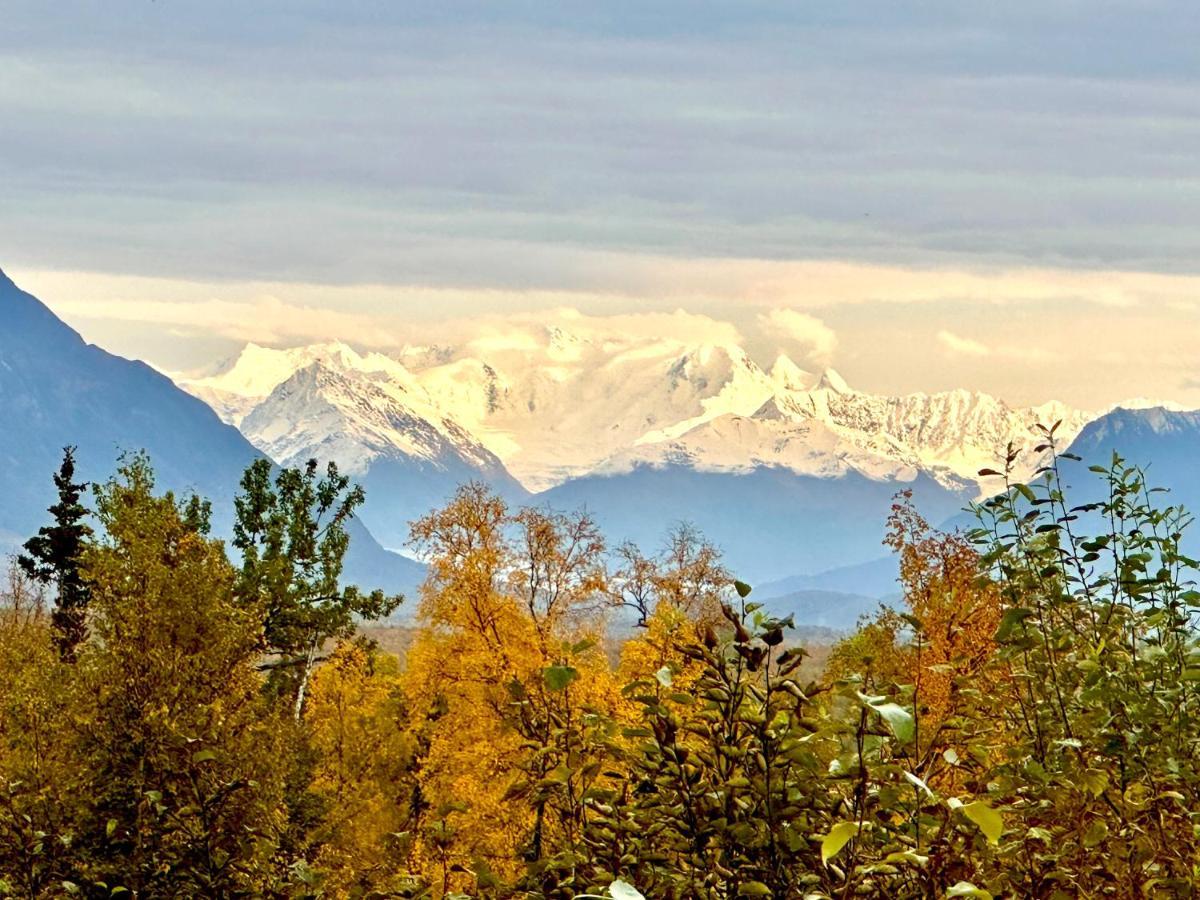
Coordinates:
1096 832
839 835
988 820
966 889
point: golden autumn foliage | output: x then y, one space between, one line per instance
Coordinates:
677 596
956 611
37 767
145 763
1024 725
512 599
941 637
365 750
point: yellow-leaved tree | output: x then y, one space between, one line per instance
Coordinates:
677 596
509 685
178 751
364 771
38 768
940 638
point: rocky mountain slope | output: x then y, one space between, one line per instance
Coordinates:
790 471
56 389
557 405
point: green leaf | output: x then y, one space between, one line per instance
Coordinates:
110 828
743 589
558 677
753 889
1012 618
1095 780
621 890
899 720
664 676
201 756
906 856
966 889
989 821
839 835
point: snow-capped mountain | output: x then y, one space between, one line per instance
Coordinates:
365 412
643 427
559 404
328 401
237 385
556 411
549 412
829 428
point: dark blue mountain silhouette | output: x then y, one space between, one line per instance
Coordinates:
56 389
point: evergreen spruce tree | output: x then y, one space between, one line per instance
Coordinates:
53 557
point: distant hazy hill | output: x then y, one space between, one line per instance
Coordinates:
769 522
878 578
824 609
55 390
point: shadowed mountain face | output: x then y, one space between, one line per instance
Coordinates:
1165 443
770 523
56 389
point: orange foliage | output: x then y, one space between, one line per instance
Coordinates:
957 610
508 596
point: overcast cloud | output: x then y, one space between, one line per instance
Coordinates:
361 158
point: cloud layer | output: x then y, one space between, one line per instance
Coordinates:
926 195
512 145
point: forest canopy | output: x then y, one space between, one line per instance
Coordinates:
570 717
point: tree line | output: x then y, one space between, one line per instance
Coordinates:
182 718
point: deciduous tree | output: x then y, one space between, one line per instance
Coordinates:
292 533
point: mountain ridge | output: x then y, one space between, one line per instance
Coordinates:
58 390
643 430
576 405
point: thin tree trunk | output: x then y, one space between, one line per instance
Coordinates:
309 660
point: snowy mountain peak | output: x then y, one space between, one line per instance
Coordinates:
563 345
570 398
349 416
832 381
790 377
1136 403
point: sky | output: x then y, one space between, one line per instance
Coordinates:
923 195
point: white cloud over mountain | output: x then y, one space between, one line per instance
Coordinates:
962 345
815 339
577 395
